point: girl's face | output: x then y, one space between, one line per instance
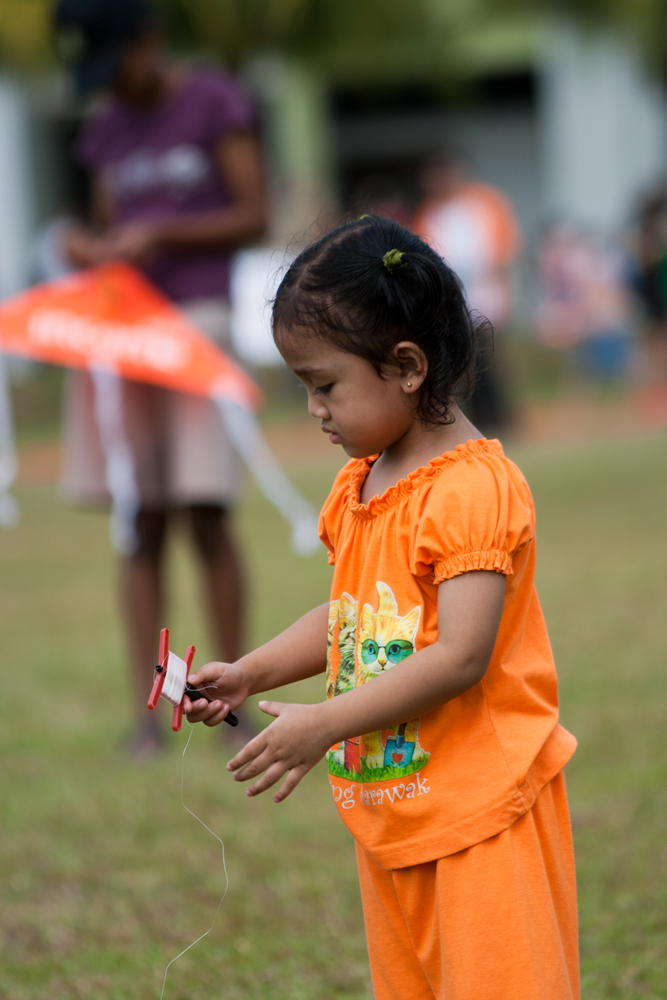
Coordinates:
358 409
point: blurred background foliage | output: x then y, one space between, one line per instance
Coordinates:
387 39
25 33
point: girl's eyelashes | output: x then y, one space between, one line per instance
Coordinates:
322 390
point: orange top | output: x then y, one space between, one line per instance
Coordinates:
493 212
467 770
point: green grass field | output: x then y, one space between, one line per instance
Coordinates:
104 876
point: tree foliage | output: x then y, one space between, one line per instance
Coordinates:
645 21
383 39
417 37
25 33
338 34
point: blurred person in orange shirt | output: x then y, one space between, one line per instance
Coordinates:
474 228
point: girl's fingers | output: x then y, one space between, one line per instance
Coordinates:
203 710
219 716
207 674
293 778
274 773
255 766
273 708
200 703
251 750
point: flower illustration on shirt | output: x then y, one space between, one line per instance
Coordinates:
384 639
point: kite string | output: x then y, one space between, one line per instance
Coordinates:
224 866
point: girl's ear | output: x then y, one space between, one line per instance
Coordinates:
412 365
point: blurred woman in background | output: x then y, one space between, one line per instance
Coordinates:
177 185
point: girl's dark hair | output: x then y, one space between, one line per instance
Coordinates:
342 290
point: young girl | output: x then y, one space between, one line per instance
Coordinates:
448 767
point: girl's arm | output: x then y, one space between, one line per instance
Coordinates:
298 652
469 611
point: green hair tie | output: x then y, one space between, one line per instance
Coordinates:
393 259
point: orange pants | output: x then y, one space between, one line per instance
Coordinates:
497 921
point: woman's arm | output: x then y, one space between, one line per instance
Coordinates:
239 161
469 611
84 246
298 652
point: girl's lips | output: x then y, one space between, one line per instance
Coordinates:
334 437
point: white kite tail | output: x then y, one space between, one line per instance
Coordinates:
10 512
246 436
119 462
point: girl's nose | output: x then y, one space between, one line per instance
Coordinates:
316 408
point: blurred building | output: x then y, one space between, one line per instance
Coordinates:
572 128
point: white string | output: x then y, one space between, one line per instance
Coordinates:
246 436
10 513
224 865
119 468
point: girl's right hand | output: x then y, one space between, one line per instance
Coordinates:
225 683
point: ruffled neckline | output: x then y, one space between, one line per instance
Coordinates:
424 474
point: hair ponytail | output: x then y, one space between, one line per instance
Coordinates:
369 284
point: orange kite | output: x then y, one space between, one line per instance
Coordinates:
112 317
113 322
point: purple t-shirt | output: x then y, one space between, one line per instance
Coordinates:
159 164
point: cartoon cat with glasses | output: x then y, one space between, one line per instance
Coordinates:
386 638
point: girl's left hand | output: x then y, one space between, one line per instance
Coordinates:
294 743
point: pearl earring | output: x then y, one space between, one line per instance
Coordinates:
409 385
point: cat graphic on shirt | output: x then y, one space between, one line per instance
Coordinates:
343 613
384 639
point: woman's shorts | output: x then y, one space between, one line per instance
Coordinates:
182 453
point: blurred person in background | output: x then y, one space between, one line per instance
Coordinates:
651 282
379 195
652 258
584 301
177 185
473 226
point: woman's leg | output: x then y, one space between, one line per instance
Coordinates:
223 578
224 585
141 599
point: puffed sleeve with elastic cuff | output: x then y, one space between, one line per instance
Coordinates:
477 515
